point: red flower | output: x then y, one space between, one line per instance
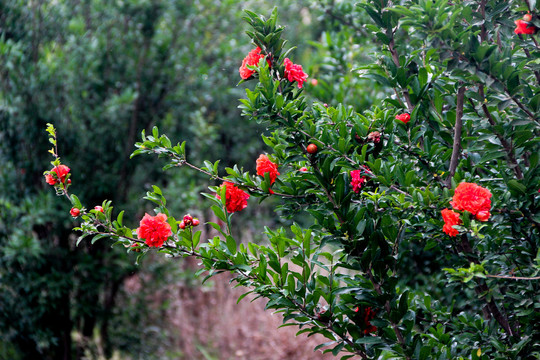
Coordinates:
450 218
303 169
235 198
60 171
264 165
252 59
357 180
523 27
294 72
367 316
75 212
154 229
404 117
472 198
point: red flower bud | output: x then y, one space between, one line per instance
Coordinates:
303 169
312 148
196 222
182 225
188 220
483 215
98 208
527 17
75 212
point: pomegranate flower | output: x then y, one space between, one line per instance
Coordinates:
57 174
294 72
251 59
235 198
264 165
154 229
357 180
523 27
404 117
472 198
450 218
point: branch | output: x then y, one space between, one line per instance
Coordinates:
507 147
456 149
481 288
513 277
346 22
395 57
397 331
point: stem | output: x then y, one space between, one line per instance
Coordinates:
346 22
395 57
513 98
482 288
528 54
513 277
507 146
182 161
396 329
456 149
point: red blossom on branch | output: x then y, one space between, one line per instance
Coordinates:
264 165
252 59
450 218
235 198
154 229
404 117
57 174
294 72
523 27
357 180
472 198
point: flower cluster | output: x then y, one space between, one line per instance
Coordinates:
294 72
404 117
467 197
264 165
252 59
235 198
57 174
357 180
154 229
188 221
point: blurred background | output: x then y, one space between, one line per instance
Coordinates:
101 71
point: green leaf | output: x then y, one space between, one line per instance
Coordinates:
231 244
